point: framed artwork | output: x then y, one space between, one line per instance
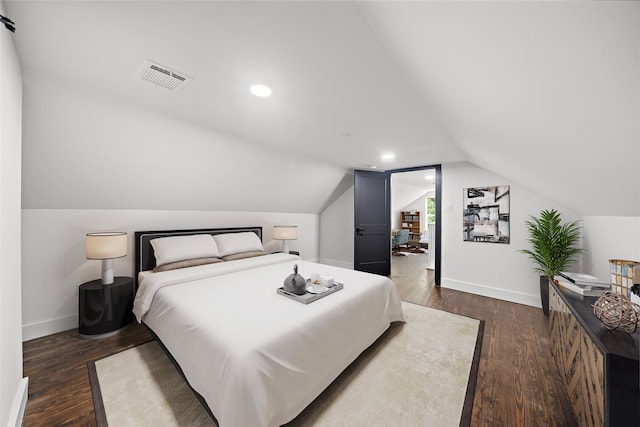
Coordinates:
485 216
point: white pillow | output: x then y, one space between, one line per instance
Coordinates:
235 243
180 248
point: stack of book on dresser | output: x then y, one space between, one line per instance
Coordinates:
583 284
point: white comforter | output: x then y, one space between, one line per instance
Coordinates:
259 358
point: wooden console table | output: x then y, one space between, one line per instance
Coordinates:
599 367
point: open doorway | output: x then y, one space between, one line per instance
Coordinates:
413 218
372 221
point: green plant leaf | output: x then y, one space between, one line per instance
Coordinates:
554 245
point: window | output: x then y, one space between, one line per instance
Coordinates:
430 217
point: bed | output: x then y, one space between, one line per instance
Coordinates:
255 357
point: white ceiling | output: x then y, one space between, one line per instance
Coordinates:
545 94
424 179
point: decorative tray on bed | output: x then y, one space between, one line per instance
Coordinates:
309 297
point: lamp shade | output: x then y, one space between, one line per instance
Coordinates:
285 232
106 245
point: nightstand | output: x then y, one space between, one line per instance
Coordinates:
290 252
105 309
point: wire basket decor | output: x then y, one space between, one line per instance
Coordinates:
615 310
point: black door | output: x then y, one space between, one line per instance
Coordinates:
372 241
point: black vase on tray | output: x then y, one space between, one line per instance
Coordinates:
295 283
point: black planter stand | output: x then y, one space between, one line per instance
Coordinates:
544 294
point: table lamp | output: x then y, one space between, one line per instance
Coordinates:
285 233
106 247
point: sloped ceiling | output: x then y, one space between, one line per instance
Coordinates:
408 187
544 93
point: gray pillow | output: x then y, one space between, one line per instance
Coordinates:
185 263
242 255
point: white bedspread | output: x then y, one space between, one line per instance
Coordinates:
256 357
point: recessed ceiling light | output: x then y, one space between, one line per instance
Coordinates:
260 90
373 166
388 156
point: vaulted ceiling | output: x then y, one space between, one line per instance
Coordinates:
546 94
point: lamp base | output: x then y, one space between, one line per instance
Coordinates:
285 246
107 271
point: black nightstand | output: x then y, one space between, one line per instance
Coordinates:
105 309
290 252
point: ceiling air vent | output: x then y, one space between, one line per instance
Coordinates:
162 76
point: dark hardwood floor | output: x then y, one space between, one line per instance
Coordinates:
59 390
518 382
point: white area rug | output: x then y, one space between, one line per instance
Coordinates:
421 372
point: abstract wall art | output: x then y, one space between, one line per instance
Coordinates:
486 214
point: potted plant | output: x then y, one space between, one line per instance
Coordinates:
553 248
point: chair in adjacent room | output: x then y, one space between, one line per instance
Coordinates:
401 238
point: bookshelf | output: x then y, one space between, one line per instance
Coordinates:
412 221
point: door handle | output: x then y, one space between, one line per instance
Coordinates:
359 231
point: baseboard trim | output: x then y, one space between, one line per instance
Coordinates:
491 292
48 327
19 403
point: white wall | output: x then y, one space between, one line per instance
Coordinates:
53 252
13 388
402 196
608 238
336 232
490 269
84 149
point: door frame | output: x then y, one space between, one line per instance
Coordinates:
438 236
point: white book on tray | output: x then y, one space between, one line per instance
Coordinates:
585 279
586 291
